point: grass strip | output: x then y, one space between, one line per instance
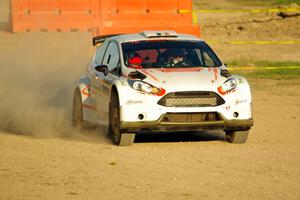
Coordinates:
266 69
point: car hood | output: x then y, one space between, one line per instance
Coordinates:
184 79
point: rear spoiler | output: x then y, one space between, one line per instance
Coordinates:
102 38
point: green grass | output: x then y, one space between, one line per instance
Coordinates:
261 63
265 2
287 1
278 74
205 4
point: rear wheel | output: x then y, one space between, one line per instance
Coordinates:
77 114
119 138
237 136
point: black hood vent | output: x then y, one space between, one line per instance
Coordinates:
137 75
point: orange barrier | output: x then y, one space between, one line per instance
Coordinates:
54 15
102 16
126 16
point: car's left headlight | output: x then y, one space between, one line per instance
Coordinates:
229 85
146 87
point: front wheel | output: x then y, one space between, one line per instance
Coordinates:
119 138
237 136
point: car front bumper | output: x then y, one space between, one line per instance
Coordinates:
161 125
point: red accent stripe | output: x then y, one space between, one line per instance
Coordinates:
216 73
88 106
192 69
221 91
224 93
161 93
149 74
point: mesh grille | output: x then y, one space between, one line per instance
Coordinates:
191 99
191 117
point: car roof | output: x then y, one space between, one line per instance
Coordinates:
154 35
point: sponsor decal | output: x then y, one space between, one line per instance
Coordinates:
133 102
240 101
86 91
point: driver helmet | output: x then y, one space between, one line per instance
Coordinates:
135 60
176 55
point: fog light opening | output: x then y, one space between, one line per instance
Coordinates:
141 116
235 114
166 119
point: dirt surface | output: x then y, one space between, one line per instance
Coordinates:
41 157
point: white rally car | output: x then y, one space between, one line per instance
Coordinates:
160 81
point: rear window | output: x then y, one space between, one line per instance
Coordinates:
169 54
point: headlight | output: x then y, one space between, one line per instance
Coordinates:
142 86
229 85
146 87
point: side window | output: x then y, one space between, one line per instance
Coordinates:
100 53
200 58
208 60
112 57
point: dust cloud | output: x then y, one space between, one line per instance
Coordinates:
38 72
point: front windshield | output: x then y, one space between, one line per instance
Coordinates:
169 54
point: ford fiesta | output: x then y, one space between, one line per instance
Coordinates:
160 81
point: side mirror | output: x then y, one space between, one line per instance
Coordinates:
102 68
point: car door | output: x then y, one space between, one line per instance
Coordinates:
96 85
112 61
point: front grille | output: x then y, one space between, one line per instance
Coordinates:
191 117
191 99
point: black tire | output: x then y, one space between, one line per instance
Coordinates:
77 114
119 138
237 137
